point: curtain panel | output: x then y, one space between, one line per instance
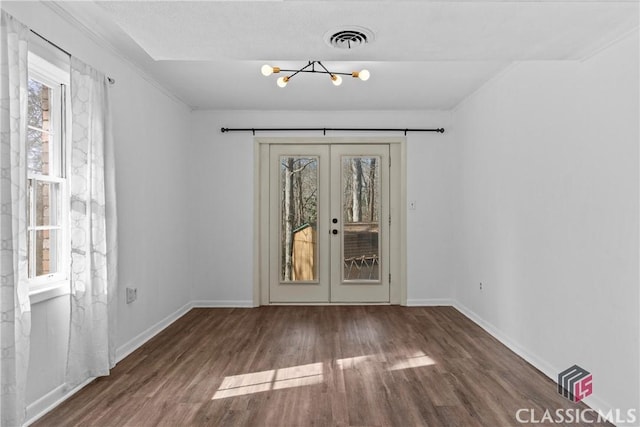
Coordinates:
93 228
15 311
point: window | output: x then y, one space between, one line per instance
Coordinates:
47 200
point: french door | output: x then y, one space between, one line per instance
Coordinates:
329 220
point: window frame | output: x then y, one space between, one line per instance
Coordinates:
55 284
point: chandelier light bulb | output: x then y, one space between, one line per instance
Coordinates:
336 80
364 75
282 81
266 70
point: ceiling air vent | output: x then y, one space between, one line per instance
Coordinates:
349 38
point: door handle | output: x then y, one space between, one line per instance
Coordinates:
334 231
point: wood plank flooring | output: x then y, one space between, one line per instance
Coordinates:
316 366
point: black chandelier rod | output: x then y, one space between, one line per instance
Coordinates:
303 69
313 70
325 130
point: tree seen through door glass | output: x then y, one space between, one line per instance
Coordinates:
361 213
298 224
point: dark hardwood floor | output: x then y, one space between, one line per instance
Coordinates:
316 366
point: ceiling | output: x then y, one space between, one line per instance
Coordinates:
422 54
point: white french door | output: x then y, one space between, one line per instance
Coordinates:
329 223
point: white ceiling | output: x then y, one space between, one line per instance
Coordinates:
424 55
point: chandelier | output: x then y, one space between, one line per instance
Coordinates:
282 81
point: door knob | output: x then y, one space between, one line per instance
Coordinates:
334 231
334 220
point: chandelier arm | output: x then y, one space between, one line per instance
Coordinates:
325 68
314 72
300 71
303 69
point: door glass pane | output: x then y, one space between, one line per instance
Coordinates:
298 218
361 216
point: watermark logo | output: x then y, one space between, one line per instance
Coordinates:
575 383
582 416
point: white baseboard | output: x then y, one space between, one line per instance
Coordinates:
533 359
46 403
134 343
430 302
222 304
49 401
593 401
61 393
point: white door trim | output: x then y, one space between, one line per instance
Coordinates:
398 203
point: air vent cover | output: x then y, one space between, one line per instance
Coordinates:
349 38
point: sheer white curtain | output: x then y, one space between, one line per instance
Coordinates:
93 228
15 324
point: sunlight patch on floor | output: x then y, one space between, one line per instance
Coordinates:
273 379
352 362
418 360
303 375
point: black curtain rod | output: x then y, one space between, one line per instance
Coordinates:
324 130
51 43
109 79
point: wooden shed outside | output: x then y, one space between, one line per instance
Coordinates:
303 257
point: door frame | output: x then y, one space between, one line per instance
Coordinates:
397 204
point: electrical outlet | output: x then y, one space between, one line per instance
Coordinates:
132 295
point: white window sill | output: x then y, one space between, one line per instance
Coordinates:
46 292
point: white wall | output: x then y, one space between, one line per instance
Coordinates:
548 215
151 135
533 190
223 175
